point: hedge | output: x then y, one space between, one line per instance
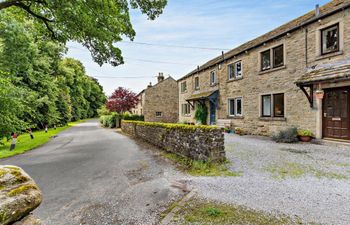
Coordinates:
110 121
172 125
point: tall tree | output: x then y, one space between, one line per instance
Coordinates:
122 100
96 24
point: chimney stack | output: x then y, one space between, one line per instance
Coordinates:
317 10
160 77
150 85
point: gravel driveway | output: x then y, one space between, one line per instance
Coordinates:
308 181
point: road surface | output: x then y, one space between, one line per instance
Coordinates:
92 175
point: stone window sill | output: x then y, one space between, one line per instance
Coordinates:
236 79
329 55
235 117
273 118
183 92
213 85
273 70
186 115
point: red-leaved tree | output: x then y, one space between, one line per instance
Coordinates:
122 100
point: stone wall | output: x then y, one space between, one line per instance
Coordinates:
301 51
163 97
195 142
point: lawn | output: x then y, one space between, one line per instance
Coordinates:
25 143
202 212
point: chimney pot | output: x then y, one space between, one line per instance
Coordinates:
317 10
160 77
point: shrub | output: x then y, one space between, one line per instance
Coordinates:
289 135
133 117
109 120
305 133
201 114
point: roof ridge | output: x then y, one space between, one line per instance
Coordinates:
286 27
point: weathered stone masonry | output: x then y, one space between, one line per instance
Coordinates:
195 142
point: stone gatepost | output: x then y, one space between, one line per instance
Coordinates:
319 115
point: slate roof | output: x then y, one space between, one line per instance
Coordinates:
310 17
202 95
330 72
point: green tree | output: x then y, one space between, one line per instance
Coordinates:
96 24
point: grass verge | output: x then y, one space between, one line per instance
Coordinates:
297 170
25 143
200 212
200 168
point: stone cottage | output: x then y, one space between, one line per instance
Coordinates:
297 75
159 102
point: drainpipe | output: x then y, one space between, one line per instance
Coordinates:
306 45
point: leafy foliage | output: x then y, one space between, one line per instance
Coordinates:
122 100
305 133
38 86
96 24
289 135
201 114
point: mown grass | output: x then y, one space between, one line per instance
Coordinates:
25 143
200 212
201 168
297 170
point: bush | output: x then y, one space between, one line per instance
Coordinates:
289 135
305 133
201 114
109 120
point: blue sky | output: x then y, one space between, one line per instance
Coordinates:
222 24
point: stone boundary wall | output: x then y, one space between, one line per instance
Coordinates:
195 142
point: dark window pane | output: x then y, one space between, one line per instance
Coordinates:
278 105
230 69
196 82
330 39
232 107
266 105
265 60
278 56
238 69
239 106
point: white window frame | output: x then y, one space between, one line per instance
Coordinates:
235 71
235 107
215 81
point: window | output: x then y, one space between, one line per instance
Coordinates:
330 39
213 80
196 83
235 107
183 86
272 58
234 70
278 59
158 114
273 105
265 60
185 109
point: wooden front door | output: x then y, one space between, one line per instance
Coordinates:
336 113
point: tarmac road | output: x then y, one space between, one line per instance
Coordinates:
92 175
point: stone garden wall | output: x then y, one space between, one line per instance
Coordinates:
195 142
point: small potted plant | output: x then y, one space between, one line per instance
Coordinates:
227 130
305 135
238 130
